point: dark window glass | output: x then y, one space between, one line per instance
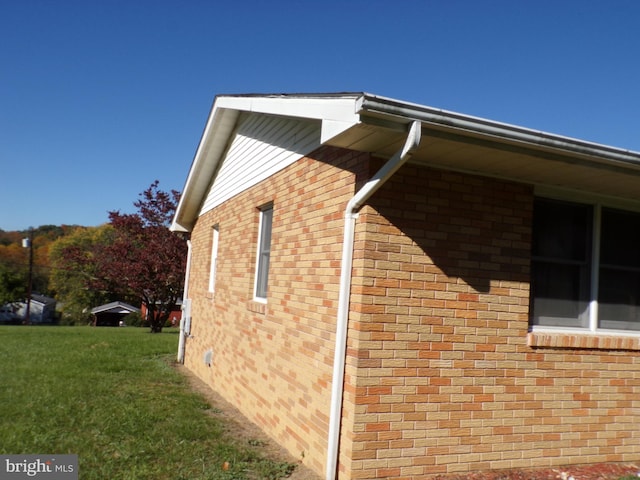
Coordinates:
620 238
619 280
561 247
561 230
619 299
264 252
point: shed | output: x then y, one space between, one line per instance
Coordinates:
111 314
42 309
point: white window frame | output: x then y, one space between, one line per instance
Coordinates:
598 204
215 236
263 255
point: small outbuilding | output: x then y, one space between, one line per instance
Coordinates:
111 314
42 309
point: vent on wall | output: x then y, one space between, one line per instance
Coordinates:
208 357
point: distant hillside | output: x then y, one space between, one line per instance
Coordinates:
50 232
14 257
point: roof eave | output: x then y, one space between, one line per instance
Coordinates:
499 132
339 113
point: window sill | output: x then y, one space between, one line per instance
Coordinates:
256 307
582 341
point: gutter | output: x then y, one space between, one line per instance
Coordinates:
342 322
185 319
501 132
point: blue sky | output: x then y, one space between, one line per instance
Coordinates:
100 98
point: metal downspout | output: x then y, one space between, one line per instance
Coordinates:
342 321
186 306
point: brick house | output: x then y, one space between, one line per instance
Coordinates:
395 291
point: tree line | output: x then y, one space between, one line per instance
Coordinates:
133 258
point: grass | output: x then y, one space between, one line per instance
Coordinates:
110 396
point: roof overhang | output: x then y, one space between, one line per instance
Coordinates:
476 145
115 307
365 122
336 112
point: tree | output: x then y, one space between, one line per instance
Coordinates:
74 271
13 272
135 256
144 258
12 285
14 263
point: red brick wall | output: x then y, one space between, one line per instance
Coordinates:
440 371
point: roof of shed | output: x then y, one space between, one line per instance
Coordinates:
115 307
43 299
365 122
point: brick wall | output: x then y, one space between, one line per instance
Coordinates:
274 361
442 374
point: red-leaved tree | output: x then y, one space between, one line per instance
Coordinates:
144 258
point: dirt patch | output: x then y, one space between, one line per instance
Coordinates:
577 472
242 429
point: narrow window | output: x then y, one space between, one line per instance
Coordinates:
215 233
264 252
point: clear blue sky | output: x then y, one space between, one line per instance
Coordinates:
100 98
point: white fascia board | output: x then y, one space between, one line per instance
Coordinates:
320 107
336 112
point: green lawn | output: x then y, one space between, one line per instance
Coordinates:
110 396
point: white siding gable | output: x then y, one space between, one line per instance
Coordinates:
262 146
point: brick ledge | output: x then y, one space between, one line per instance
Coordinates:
256 307
582 341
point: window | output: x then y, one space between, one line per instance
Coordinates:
585 267
215 233
619 282
264 252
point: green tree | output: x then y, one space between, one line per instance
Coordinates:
74 271
12 284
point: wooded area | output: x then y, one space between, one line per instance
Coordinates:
134 258
14 260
